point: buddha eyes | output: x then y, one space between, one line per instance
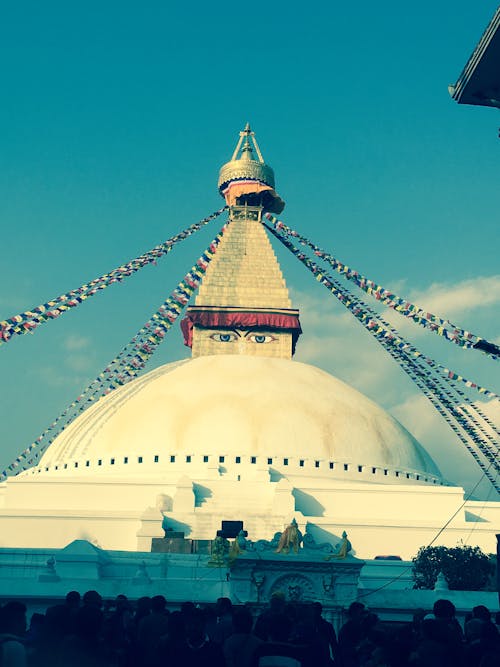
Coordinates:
230 337
261 338
223 337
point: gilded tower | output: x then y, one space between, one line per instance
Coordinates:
243 305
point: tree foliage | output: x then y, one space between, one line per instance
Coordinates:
464 568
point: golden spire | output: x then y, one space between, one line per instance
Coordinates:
243 305
247 179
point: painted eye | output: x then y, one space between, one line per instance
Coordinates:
223 337
261 338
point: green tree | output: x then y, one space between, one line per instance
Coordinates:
465 568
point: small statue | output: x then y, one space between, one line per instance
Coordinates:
342 549
241 540
290 538
220 552
239 545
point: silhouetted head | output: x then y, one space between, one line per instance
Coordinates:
444 609
356 610
72 599
158 604
481 612
143 606
223 606
92 599
317 609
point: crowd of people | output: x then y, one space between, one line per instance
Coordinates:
85 631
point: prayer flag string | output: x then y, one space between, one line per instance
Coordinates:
438 325
127 364
28 321
405 355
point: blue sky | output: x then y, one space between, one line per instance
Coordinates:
116 117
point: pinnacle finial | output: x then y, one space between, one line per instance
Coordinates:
247 138
246 177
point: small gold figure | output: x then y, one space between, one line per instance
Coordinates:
291 537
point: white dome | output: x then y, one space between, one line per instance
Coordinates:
233 409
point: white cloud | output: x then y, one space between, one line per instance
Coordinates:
76 342
452 300
467 304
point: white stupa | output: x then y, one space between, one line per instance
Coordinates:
239 431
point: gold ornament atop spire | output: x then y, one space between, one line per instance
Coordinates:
247 179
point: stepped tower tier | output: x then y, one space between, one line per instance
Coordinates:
243 305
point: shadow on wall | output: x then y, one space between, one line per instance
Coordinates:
321 535
275 475
201 493
171 525
307 504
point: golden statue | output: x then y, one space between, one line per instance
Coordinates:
290 538
220 552
343 548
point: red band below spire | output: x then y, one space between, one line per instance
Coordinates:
223 319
